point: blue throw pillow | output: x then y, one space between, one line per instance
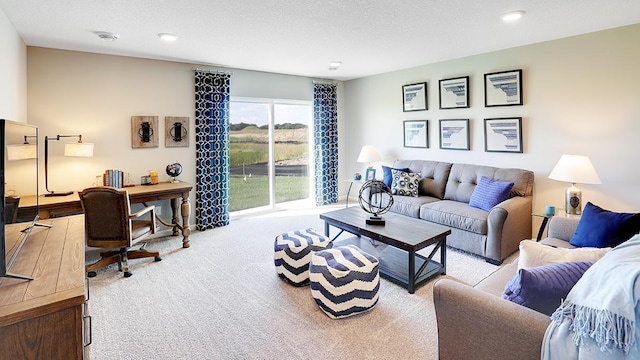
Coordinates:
544 287
387 177
602 228
489 193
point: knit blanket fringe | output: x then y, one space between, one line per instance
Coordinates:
608 330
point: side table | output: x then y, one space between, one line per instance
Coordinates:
351 182
545 219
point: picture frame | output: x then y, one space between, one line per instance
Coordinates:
503 88
454 93
416 133
454 134
370 175
503 135
414 97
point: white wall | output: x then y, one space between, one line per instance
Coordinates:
13 72
581 96
95 95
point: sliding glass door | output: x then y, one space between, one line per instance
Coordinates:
269 152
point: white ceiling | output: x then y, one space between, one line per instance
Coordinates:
301 37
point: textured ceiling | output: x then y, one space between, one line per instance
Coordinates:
301 37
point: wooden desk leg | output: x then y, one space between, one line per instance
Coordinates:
185 210
174 216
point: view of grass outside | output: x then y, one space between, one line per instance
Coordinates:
249 154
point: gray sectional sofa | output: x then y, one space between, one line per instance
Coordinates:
493 328
444 193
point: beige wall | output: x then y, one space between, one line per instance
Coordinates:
581 96
13 72
95 95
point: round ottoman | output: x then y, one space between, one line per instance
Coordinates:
344 281
292 254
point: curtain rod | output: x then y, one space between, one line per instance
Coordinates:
326 82
211 71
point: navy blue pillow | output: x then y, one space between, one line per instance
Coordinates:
603 228
544 287
489 193
387 178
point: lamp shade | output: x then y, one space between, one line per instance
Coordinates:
575 169
369 154
22 152
78 149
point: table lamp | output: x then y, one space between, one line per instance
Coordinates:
574 169
369 154
22 151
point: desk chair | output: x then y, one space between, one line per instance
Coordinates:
109 223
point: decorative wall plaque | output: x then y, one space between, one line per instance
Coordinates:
144 131
176 131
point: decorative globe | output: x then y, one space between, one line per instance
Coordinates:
174 170
375 198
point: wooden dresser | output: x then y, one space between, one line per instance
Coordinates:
46 318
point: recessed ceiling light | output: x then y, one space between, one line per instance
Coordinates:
168 37
334 65
107 36
512 16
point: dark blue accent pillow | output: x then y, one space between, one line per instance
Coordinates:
544 287
603 228
489 193
387 178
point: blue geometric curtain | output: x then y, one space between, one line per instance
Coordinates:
212 149
325 123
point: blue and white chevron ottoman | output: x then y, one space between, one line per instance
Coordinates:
344 281
292 254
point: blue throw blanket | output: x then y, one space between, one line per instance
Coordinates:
600 317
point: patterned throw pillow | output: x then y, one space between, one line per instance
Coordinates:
404 183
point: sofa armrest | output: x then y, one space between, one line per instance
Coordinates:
563 228
476 325
507 224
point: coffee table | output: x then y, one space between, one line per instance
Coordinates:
395 244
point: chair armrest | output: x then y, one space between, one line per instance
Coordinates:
147 210
476 325
563 228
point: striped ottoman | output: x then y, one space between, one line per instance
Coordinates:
344 281
292 253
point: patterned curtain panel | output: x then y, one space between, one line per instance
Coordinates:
212 149
325 123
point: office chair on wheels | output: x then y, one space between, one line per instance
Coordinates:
109 224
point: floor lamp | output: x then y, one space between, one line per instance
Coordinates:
74 149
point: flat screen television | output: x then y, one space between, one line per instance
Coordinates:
18 177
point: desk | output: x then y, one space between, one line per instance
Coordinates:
56 206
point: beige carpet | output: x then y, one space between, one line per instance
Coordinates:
221 299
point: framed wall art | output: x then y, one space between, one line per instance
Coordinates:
454 134
454 93
503 88
414 97
503 135
416 133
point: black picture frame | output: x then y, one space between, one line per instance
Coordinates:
454 93
503 88
503 135
416 133
414 97
454 134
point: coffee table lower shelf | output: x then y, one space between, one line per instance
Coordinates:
394 263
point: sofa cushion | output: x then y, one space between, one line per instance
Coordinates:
489 193
602 228
533 254
544 287
457 215
387 177
404 183
434 175
464 177
410 206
